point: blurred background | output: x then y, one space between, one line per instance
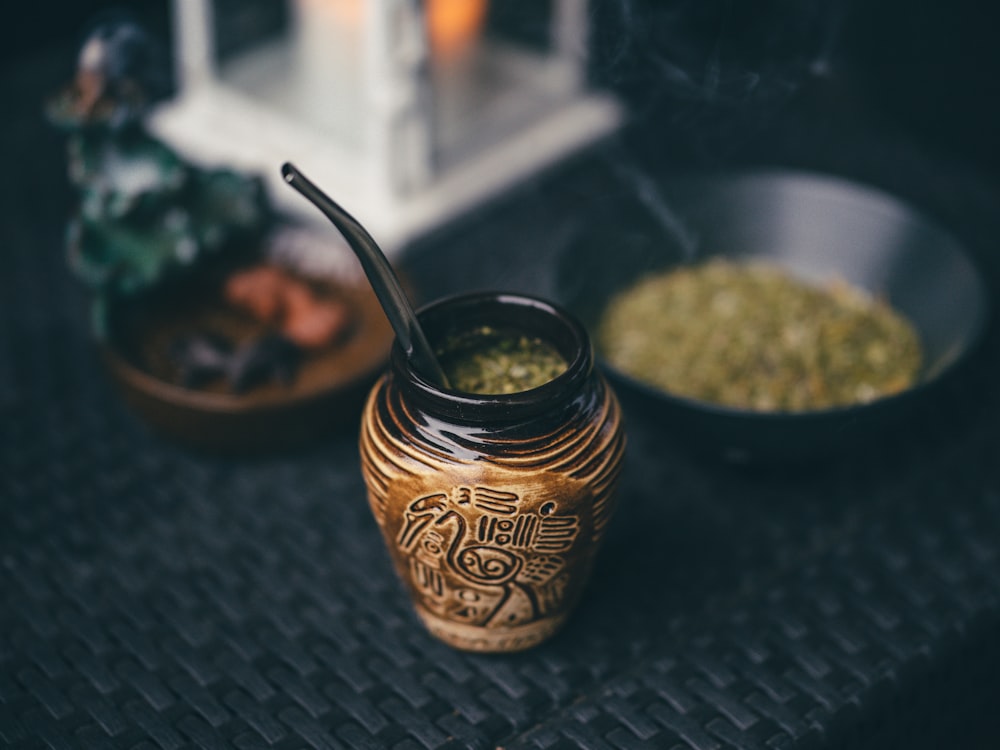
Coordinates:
899 95
927 68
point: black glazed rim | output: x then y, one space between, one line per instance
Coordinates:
533 315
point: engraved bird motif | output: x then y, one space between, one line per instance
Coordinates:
472 545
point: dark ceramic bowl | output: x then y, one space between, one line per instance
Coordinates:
817 227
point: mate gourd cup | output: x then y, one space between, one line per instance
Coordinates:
493 506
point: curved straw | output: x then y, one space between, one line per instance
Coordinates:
380 274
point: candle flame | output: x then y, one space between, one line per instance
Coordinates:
454 25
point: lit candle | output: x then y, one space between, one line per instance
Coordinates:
454 27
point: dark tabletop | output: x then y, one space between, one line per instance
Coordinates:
155 597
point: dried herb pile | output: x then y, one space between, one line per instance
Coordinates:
750 336
486 360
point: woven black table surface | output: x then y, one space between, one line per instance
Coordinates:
153 597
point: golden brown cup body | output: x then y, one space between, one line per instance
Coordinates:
493 507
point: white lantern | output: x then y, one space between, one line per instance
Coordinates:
406 112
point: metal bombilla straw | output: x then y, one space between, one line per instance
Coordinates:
380 275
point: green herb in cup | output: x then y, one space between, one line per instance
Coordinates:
485 360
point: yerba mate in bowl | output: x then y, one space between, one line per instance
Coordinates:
814 228
752 336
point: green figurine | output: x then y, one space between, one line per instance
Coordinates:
145 215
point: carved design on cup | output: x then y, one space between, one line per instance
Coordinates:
493 528
474 557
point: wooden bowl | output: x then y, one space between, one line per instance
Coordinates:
325 395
